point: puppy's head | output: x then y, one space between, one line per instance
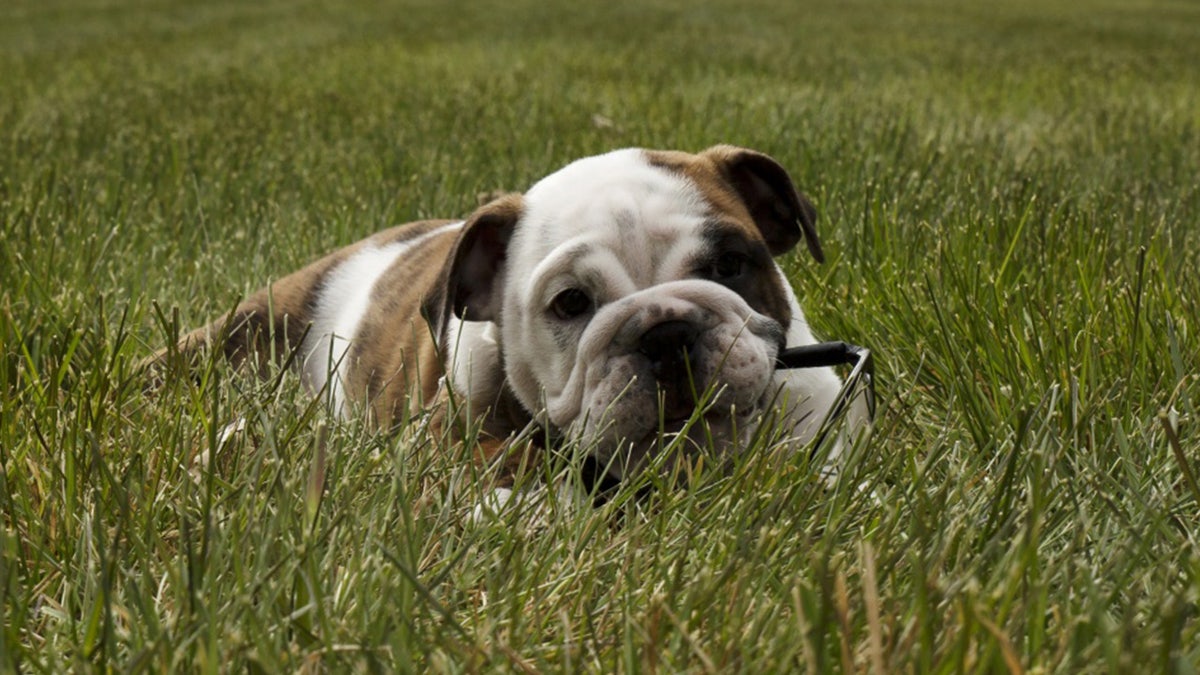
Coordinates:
626 286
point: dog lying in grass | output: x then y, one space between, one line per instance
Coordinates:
627 302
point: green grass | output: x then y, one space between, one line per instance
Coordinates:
1009 202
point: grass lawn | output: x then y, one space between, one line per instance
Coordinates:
1009 202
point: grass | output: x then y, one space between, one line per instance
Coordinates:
1009 205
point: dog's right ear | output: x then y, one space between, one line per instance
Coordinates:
471 285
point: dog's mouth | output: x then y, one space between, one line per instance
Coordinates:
715 431
677 406
695 435
670 427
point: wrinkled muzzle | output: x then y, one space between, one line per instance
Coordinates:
646 362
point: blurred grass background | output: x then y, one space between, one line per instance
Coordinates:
1008 196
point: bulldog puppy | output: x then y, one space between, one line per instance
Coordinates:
605 305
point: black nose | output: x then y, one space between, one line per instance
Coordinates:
669 347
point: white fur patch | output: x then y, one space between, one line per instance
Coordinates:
344 299
474 361
647 216
535 506
615 219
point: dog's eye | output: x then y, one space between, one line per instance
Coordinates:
727 266
570 304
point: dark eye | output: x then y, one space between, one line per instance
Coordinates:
727 266
570 304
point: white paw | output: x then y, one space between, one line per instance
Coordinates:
202 459
533 507
491 505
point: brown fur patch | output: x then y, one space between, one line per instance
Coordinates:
760 286
394 364
763 290
752 187
272 322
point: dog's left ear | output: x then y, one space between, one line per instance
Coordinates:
781 213
472 283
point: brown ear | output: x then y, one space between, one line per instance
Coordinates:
781 213
472 283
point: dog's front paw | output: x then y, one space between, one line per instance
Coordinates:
531 508
491 506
